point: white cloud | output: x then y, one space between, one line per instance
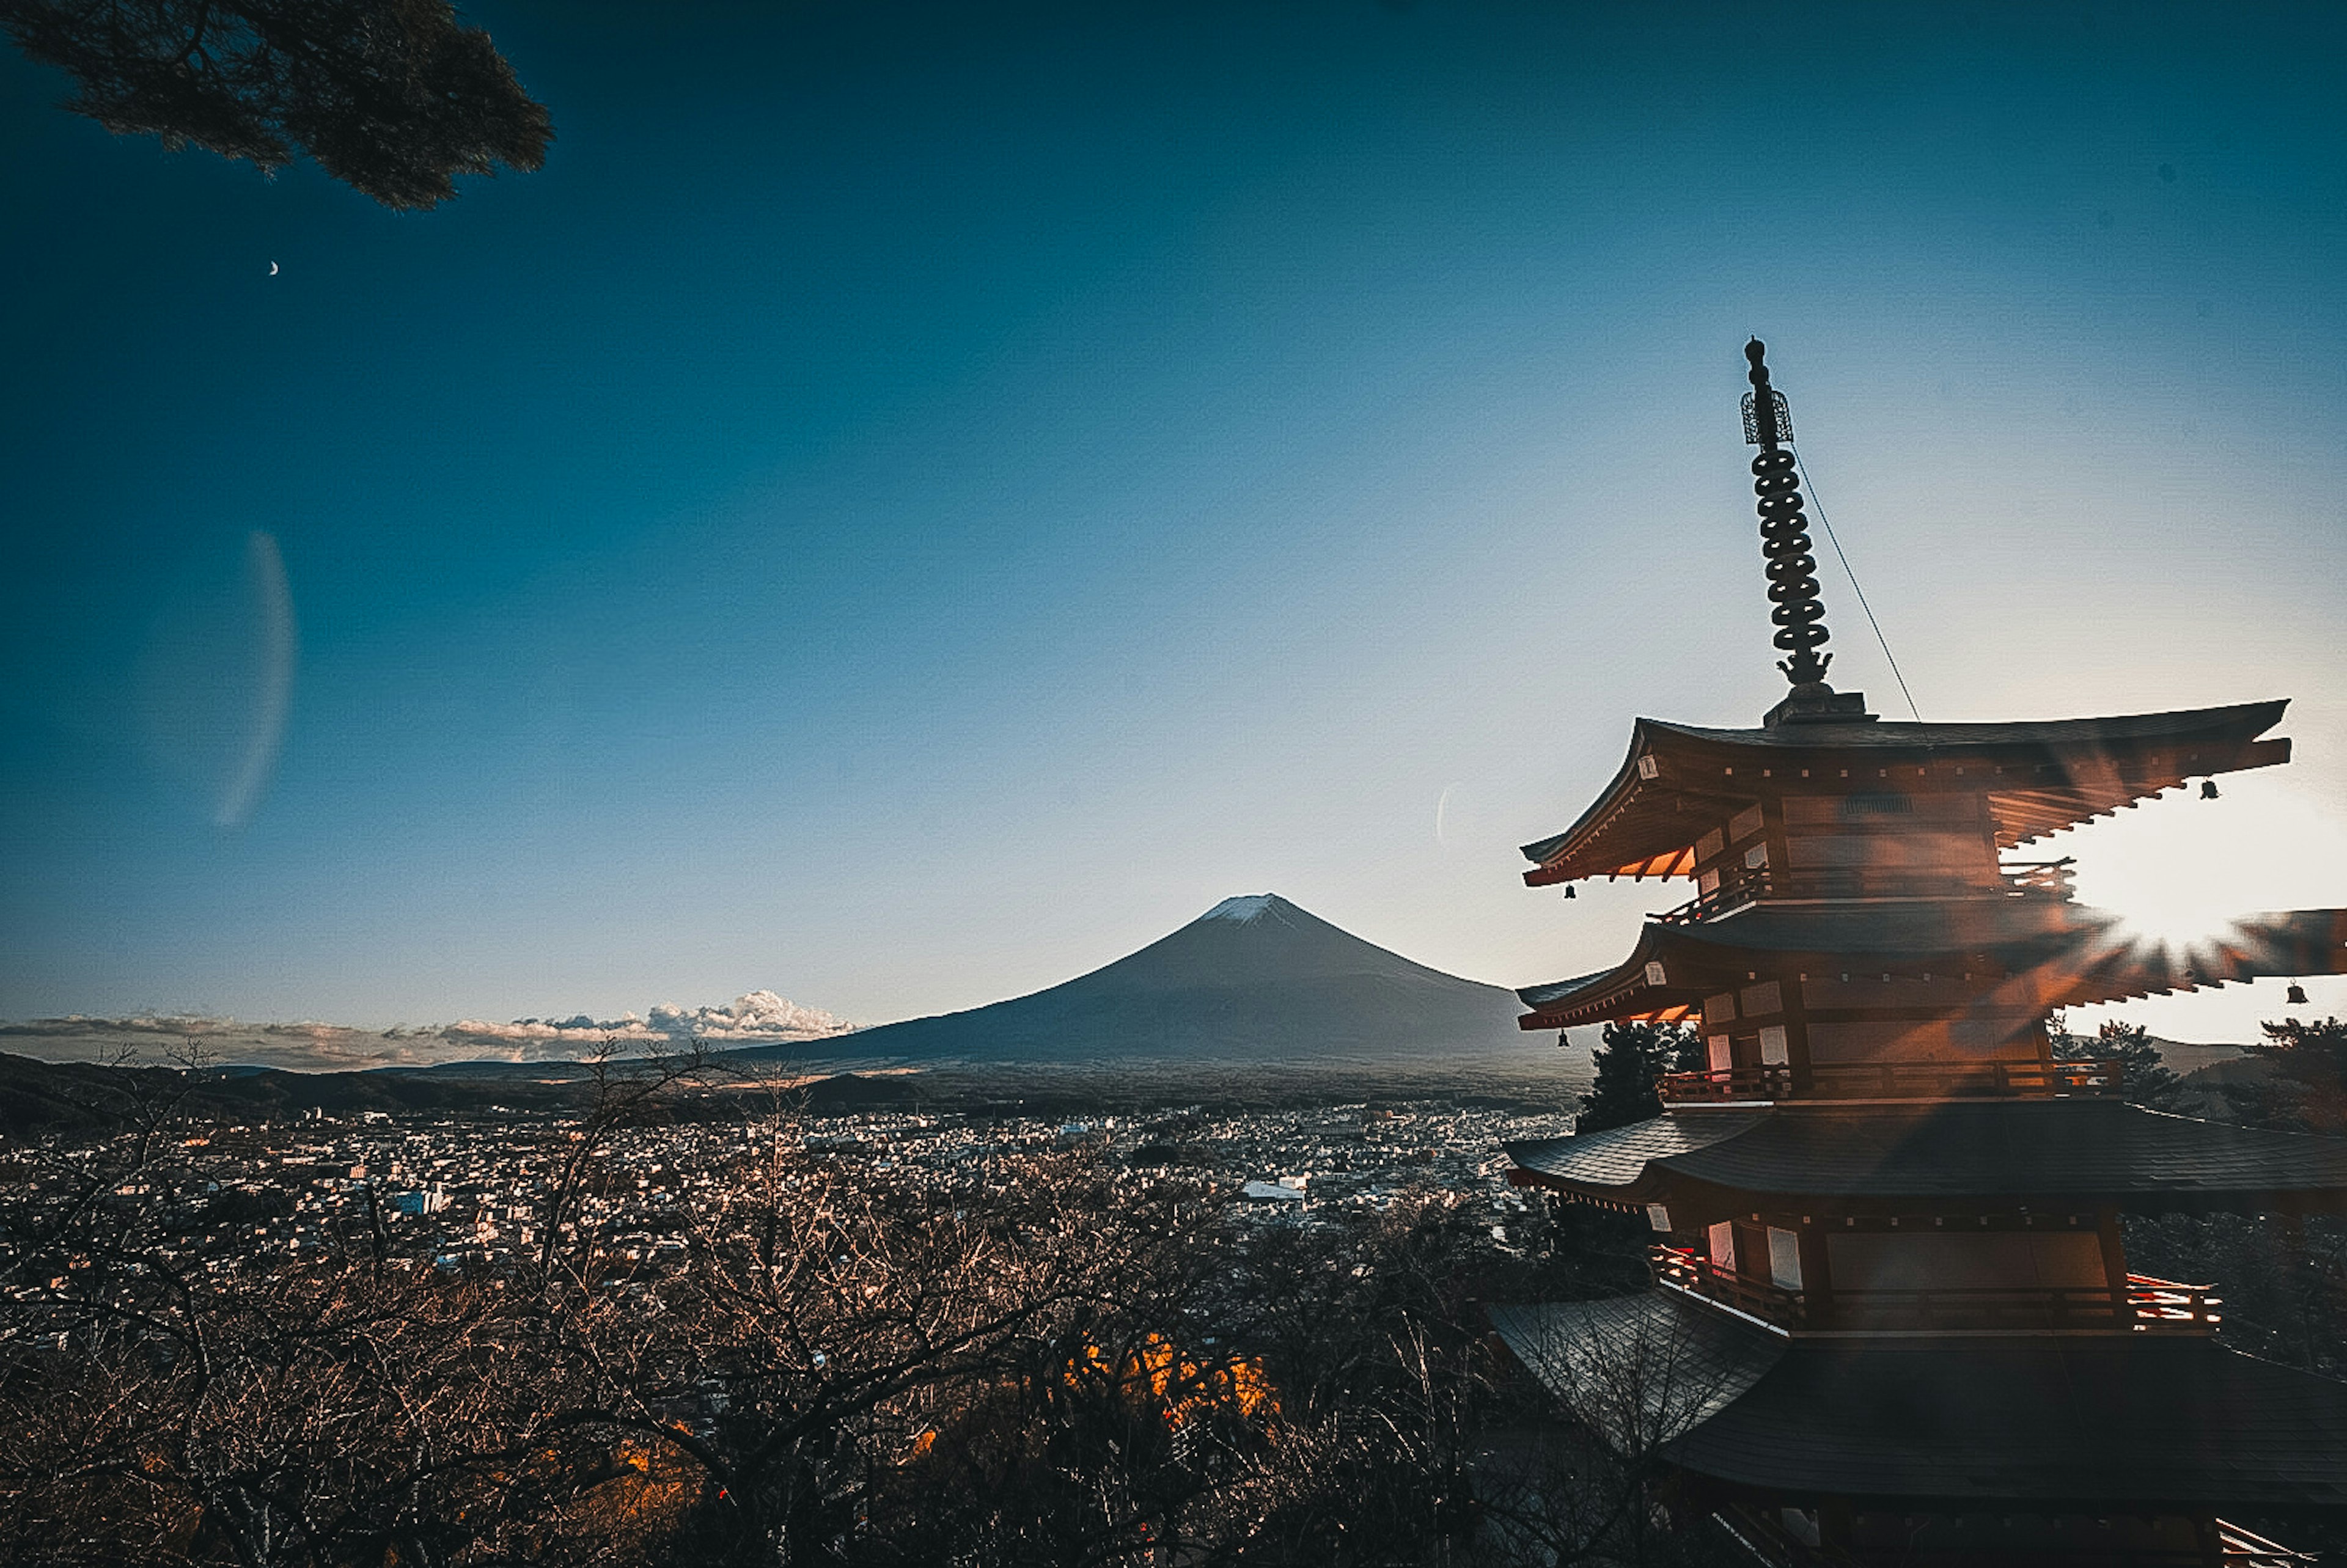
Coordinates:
759 1017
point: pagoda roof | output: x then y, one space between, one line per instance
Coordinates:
2066 1155
2049 953
1680 781
1581 1352
2145 1422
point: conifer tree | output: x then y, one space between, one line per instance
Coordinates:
2309 1090
2144 1078
1631 1060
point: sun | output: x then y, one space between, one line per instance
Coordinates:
2180 870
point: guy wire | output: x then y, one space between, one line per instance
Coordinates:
1818 506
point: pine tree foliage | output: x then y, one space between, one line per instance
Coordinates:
1631 1059
393 97
2309 1090
2144 1078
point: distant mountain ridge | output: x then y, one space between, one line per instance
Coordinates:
1257 985
1255 978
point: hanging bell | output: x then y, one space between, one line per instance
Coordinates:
2208 789
2297 997
1568 891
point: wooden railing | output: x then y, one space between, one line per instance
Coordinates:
2033 879
1684 1268
1896 1081
2248 1549
1764 1532
2152 1304
1749 887
2164 1304
2040 878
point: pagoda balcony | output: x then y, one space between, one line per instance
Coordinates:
2047 881
1764 1532
2153 1305
1895 1080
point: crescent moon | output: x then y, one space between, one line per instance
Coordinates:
272 268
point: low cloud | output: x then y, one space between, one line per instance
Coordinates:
760 1018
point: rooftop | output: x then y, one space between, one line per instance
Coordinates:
2060 1155
1679 780
2048 953
2152 1422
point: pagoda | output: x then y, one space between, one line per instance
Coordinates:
1892 1320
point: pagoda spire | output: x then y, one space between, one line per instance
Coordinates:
1799 612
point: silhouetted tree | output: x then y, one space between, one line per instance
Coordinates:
393 97
2309 1089
2144 1078
1631 1059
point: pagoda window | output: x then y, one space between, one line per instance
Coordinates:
1744 823
1710 846
1756 857
1720 1009
1774 1051
1718 1053
1708 882
1784 1258
1719 1246
1768 997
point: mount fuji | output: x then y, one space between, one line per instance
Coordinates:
1254 980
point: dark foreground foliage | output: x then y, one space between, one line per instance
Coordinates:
393 97
1060 1360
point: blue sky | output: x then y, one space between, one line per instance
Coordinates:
915 501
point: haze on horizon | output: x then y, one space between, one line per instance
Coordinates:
914 502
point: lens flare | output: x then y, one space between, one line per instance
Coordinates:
2180 873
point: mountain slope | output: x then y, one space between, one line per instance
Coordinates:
1253 978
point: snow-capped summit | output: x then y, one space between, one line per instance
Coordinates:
1243 909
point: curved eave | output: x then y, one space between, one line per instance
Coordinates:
1680 781
2062 1155
1623 1165
2145 1422
1629 809
2047 956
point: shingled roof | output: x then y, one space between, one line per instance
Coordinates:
1640 1370
1679 780
2141 1421
2057 1154
2054 954
2121 1421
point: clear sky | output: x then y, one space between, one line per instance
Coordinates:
916 501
